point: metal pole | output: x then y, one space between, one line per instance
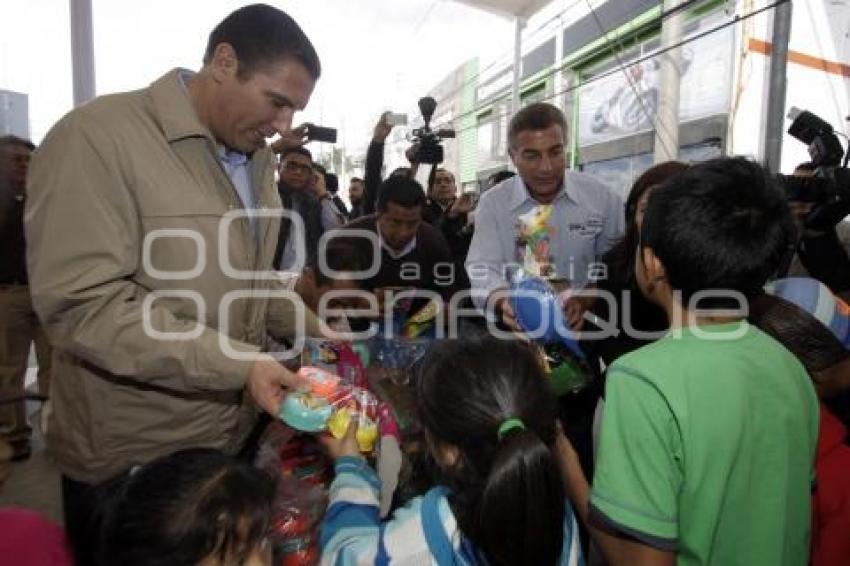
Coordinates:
82 51
559 81
667 116
519 23
775 117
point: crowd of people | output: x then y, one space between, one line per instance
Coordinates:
157 249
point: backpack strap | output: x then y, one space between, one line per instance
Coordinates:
435 534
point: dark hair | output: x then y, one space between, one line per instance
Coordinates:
802 334
400 190
498 177
179 509
262 35
355 180
401 172
721 224
339 256
320 168
299 150
11 140
806 166
507 494
621 257
535 117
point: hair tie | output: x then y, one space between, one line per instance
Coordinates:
509 425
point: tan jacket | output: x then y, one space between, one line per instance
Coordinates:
108 176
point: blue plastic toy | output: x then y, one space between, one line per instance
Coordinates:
306 412
539 313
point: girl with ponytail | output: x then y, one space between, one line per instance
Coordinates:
489 420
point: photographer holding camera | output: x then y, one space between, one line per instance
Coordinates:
821 254
375 164
825 258
425 149
819 195
451 215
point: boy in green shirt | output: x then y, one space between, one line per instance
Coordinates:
709 434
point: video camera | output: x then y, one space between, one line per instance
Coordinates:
829 188
430 141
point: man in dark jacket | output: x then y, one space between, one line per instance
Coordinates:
356 193
413 254
449 213
442 192
296 178
19 326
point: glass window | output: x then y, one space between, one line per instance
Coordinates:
621 173
485 140
615 103
535 94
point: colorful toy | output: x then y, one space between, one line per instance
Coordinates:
309 410
361 350
533 234
367 430
293 533
338 358
538 311
325 404
322 383
422 320
364 407
566 374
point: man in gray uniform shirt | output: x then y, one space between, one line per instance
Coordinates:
545 219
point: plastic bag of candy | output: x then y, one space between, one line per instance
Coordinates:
326 403
338 358
285 452
297 510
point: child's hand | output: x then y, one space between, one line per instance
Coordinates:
345 446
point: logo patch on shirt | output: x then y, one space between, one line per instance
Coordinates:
590 228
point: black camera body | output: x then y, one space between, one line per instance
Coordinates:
829 188
320 133
430 141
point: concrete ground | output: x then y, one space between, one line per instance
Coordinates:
34 483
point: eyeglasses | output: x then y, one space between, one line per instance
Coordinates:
295 167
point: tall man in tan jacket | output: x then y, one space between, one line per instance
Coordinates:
151 234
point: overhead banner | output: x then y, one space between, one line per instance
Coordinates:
625 102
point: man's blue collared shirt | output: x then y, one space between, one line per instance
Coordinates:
235 164
587 219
